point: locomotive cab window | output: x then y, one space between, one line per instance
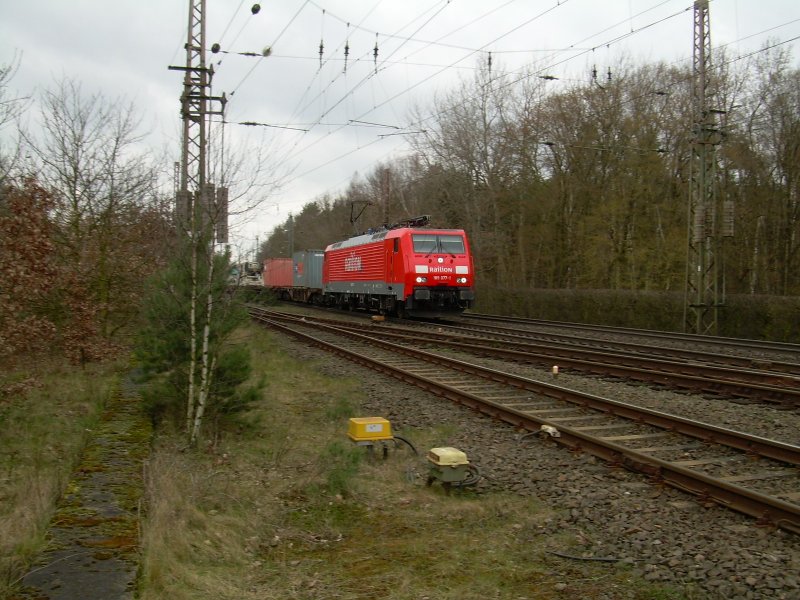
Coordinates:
451 244
424 244
440 244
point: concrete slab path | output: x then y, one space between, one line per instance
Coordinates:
93 542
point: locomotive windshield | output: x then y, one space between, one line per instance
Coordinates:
441 244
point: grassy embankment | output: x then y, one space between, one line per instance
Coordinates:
47 412
286 507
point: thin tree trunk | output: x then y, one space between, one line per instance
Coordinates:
754 265
192 326
206 368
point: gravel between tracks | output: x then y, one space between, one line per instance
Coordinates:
664 535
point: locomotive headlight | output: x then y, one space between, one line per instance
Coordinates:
461 280
422 279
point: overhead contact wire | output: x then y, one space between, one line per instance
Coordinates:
359 84
325 62
539 15
275 41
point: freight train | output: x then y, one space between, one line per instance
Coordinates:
403 270
245 274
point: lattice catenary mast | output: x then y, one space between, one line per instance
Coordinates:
198 202
704 289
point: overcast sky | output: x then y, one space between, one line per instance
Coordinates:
122 48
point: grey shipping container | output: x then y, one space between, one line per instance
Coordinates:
307 268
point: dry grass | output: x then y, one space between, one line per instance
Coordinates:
43 427
288 508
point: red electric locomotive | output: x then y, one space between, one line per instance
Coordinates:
403 270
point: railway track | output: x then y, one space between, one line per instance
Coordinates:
744 359
778 387
753 475
651 338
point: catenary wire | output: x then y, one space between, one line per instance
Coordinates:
409 88
275 41
570 58
608 43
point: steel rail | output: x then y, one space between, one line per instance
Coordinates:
649 333
708 378
759 385
743 362
766 509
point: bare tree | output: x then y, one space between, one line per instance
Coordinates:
585 185
761 169
247 167
469 139
11 107
105 185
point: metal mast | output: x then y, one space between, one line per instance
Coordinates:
193 113
197 202
193 100
703 297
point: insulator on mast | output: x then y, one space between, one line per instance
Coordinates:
347 48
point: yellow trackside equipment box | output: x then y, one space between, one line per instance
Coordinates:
451 467
447 457
369 429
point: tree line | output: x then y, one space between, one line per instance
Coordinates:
586 186
94 265
560 187
83 223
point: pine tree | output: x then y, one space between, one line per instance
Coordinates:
165 354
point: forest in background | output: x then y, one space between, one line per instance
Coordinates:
561 192
587 188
